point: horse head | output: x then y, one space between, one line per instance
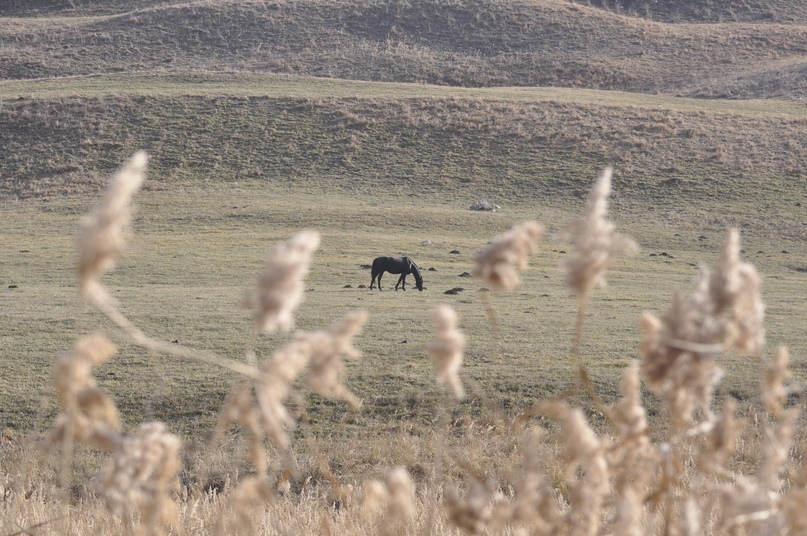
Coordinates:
418 277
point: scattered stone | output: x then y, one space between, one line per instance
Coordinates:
653 255
785 251
464 274
426 243
367 266
484 289
432 269
701 237
404 341
562 252
12 286
454 252
362 286
455 290
348 286
485 205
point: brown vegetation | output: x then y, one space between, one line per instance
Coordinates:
466 43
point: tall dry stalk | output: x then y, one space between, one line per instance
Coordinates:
497 264
259 406
390 505
141 475
596 247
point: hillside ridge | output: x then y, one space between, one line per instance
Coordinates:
474 43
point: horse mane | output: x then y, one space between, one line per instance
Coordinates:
415 270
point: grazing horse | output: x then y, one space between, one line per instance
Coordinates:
396 265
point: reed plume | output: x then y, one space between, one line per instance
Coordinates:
724 312
325 363
89 416
395 496
596 245
319 352
280 286
102 235
496 264
141 477
446 351
475 512
773 384
585 452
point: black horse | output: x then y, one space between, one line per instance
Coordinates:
396 265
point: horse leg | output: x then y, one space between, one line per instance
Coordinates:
379 280
402 282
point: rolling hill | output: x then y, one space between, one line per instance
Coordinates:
462 43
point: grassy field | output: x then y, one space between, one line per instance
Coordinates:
378 124
195 251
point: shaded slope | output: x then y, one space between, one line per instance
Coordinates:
713 11
675 11
474 43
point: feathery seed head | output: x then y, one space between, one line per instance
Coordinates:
724 312
321 353
325 363
773 385
280 286
102 235
497 263
78 391
446 351
597 245
142 474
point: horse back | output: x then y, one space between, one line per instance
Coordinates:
393 265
